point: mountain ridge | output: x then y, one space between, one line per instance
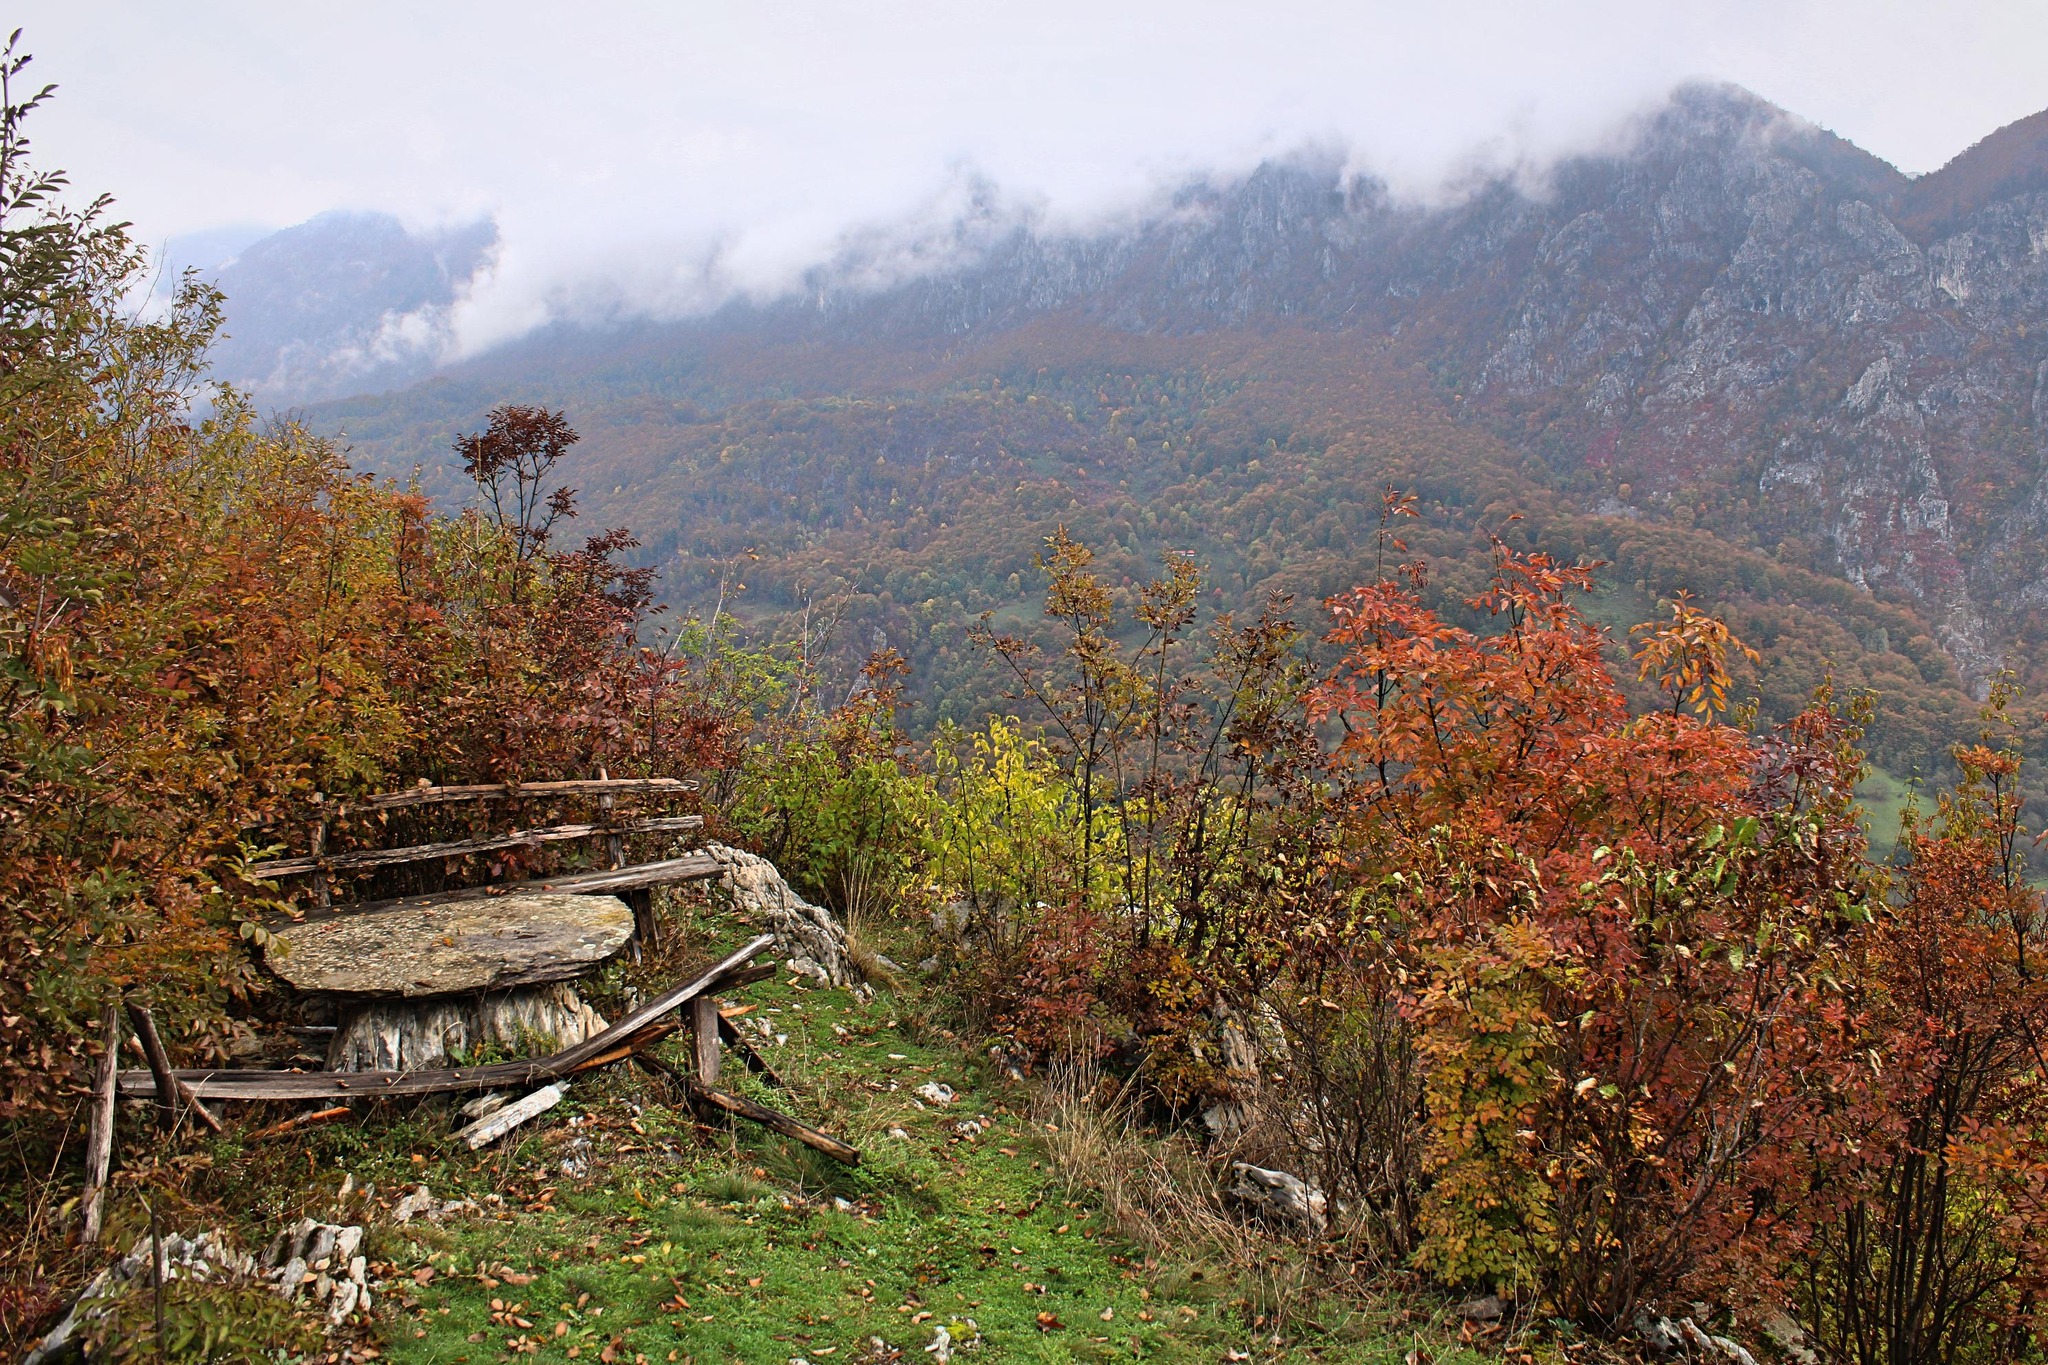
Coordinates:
1718 330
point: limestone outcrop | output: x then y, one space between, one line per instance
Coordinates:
808 938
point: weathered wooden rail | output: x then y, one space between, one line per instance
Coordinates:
364 859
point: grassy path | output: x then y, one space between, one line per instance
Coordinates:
624 1231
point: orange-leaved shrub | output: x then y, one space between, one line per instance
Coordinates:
206 619
1905 1215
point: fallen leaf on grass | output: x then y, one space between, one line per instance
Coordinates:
1049 1322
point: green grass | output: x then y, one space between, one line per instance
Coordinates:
682 1242
1883 798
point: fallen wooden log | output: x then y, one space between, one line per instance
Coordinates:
298 1121
769 1118
611 1044
503 1120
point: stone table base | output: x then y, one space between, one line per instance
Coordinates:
394 1034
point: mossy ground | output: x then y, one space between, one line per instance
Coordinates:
621 1229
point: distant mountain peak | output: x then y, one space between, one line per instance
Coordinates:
346 301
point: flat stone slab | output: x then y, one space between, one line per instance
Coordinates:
453 947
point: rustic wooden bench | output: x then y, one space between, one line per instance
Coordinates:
630 1038
414 975
409 955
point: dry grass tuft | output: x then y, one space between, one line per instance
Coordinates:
1157 1191
1162 1192
863 950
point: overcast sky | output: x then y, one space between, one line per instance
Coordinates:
620 146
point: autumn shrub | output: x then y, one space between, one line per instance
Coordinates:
1600 919
1907 1216
206 620
1345 1090
836 799
1181 755
1015 924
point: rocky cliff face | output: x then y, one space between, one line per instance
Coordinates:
1741 321
344 302
1736 321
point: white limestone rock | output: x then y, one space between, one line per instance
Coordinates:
808 938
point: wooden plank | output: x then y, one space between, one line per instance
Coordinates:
652 1012
169 1089
748 1054
264 1086
704 1037
501 1121
99 1143
769 1118
688 868
496 791
729 972
455 848
631 1045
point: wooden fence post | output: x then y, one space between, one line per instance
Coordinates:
99 1146
704 1025
169 1089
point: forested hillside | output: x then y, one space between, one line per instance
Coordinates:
1740 357
897 518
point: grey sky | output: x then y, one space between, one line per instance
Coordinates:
622 146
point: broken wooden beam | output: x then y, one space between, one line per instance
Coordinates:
455 848
504 1119
627 1048
650 1013
688 868
169 1087
99 1140
704 1038
505 791
748 1054
771 1119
